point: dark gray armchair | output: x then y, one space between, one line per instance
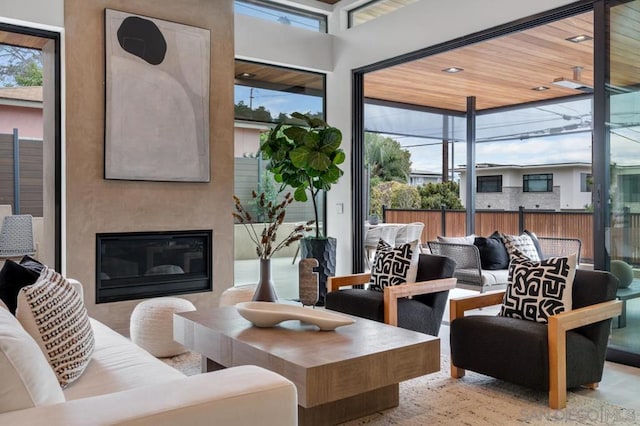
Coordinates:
415 306
567 352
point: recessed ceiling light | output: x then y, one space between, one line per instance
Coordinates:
579 38
245 75
540 88
453 70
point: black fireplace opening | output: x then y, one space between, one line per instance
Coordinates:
138 265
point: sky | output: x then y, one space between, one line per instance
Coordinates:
276 101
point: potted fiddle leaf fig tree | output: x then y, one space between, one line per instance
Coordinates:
306 158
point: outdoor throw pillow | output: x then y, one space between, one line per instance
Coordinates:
493 254
522 243
53 313
13 277
393 265
537 290
536 243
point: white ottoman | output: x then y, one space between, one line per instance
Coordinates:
233 295
151 325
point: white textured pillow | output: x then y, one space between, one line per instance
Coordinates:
3 306
469 239
26 378
520 245
53 313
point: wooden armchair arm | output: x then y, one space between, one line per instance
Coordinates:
393 293
458 306
557 328
334 283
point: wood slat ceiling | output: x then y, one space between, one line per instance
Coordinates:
22 40
499 72
278 78
502 71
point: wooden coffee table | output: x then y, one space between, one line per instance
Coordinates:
340 375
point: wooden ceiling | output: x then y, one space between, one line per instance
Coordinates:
22 40
278 78
503 71
498 72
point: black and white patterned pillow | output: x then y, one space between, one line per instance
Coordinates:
53 313
391 265
522 244
537 290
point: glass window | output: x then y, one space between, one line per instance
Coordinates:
283 14
586 181
630 188
375 9
538 183
489 183
267 93
264 95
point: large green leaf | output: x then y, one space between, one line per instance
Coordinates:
300 156
296 134
311 140
339 157
318 160
300 195
332 174
330 140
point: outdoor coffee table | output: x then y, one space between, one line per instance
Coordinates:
340 375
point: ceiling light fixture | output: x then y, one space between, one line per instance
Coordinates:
245 75
453 70
540 88
579 38
574 83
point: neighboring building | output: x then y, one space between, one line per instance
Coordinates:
563 186
625 184
423 177
21 108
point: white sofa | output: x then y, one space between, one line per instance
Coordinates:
124 384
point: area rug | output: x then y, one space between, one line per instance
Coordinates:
475 400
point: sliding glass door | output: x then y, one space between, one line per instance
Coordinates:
622 129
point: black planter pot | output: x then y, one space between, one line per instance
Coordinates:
324 250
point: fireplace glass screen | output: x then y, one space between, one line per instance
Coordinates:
149 264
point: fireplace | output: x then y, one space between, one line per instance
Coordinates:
137 265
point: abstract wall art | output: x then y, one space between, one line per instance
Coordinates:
157 99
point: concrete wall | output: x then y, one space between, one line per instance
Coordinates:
95 205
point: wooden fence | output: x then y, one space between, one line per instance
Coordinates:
545 224
30 179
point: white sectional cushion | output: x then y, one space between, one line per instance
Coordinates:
53 313
26 379
117 364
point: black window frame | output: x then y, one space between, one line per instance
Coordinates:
528 178
586 182
481 181
321 18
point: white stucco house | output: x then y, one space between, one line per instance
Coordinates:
560 186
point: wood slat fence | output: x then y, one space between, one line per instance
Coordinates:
545 224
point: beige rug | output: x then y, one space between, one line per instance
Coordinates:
476 400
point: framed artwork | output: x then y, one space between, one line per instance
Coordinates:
157 99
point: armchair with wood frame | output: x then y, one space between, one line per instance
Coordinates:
415 306
567 352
